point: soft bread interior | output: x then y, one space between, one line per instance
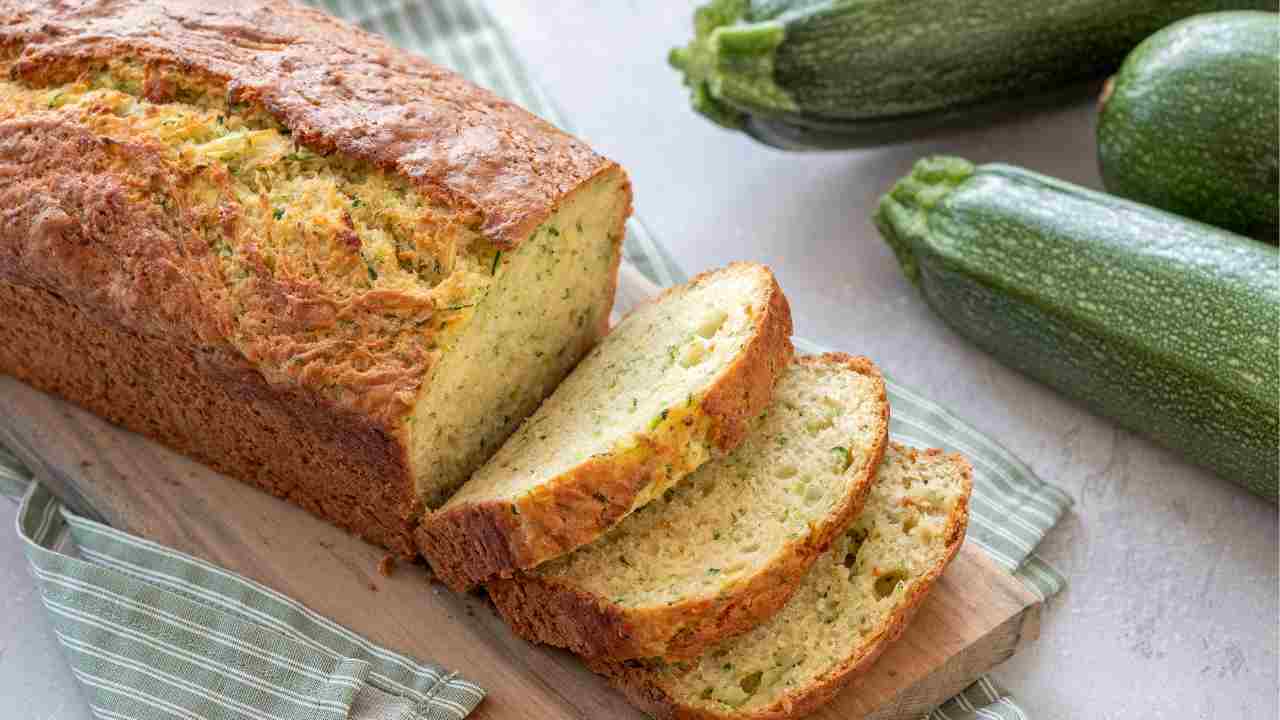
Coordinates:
848 599
656 364
547 306
734 516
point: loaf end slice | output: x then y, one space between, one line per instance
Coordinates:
855 600
675 383
723 550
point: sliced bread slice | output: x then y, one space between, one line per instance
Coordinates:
724 549
855 600
678 380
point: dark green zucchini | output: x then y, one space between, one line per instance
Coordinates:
1191 123
845 73
1169 326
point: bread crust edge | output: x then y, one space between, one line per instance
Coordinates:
638 687
126 379
581 504
542 609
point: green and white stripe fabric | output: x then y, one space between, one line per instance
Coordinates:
153 633
983 700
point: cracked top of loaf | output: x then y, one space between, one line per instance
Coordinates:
337 88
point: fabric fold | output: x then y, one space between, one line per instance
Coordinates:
152 632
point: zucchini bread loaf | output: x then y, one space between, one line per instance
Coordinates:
284 247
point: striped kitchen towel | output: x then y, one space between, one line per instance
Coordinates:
152 633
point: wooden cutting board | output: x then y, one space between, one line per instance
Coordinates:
977 616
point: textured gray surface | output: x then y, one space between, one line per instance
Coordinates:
1172 609
35 683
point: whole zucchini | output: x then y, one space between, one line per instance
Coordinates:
844 73
1191 123
1169 326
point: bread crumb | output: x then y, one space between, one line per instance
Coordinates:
387 566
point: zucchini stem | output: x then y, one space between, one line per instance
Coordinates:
902 215
728 66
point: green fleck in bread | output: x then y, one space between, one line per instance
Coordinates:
723 550
675 383
857 598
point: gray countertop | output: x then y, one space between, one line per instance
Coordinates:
1172 605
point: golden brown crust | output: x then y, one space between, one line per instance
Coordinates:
333 463
476 541
636 682
546 609
802 702
73 236
338 88
746 387
473 542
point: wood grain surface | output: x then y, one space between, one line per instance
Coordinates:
976 617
